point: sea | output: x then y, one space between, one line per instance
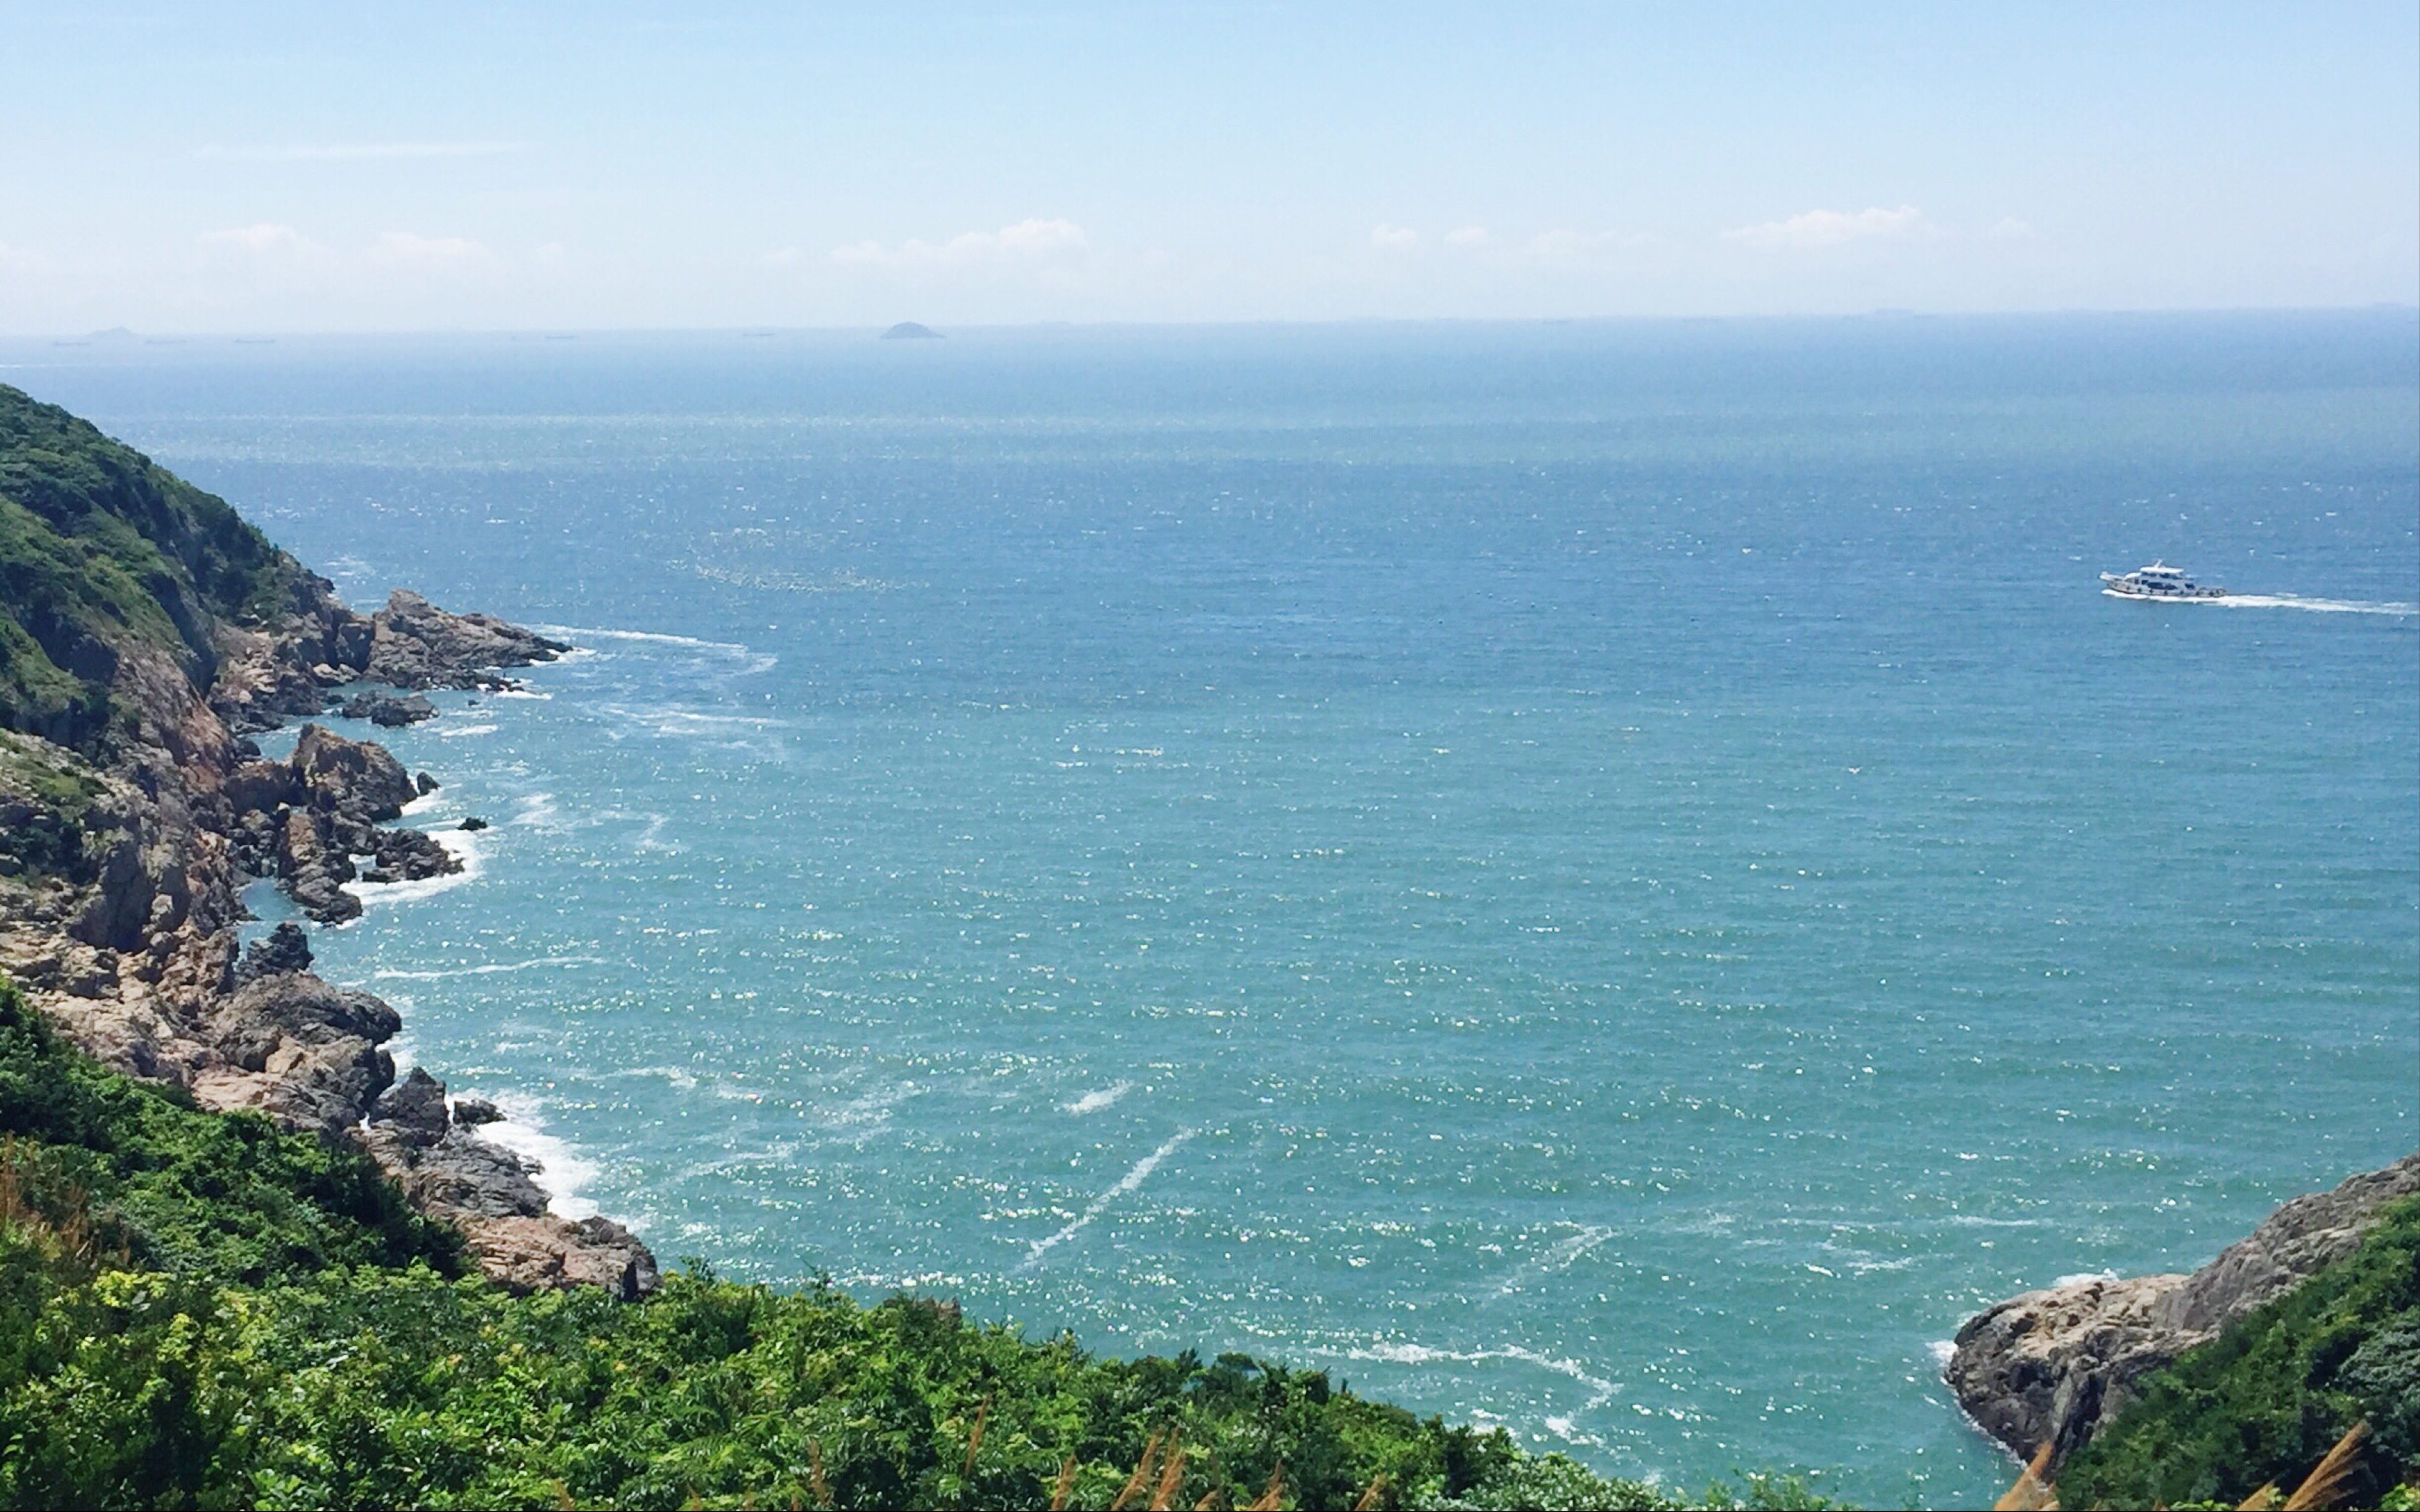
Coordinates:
1617 880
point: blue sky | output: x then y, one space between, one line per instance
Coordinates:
200 167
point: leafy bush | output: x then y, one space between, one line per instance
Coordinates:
228 1198
100 548
2266 1399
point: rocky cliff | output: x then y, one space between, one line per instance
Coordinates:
2056 1365
144 631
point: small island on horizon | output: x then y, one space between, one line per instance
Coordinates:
911 331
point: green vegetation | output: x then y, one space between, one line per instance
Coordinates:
199 1310
2265 1400
102 549
150 1182
45 794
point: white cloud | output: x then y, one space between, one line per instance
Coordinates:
1833 228
1026 239
406 249
360 151
265 236
1031 240
1394 238
1469 235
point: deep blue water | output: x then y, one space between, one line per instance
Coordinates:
1618 879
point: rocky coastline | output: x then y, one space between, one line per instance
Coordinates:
133 949
2055 1367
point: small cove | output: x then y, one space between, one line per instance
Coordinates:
1554 915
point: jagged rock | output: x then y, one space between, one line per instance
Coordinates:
300 1049
253 838
355 778
425 783
472 1111
96 977
414 1107
314 867
389 712
301 1004
319 1085
2057 1365
409 855
413 643
285 949
532 1253
261 787
472 824
454 1173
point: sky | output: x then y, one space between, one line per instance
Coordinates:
200 167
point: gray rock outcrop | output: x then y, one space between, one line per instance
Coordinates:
120 919
2058 1364
491 1195
285 949
470 1112
414 644
388 712
303 820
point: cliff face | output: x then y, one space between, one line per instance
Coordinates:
143 630
2056 1365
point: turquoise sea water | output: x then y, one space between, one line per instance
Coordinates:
1619 880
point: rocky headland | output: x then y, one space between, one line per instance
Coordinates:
133 808
2057 1365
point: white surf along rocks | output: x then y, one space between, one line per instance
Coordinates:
132 947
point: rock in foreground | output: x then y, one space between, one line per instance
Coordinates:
2057 1365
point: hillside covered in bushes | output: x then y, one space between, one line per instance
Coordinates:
196 1309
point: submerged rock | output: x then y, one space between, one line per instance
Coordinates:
2057 1365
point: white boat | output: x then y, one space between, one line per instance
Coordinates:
2157 580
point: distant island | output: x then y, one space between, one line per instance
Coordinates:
910 331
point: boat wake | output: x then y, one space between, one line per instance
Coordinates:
2315 606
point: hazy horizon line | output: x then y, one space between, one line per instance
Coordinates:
122 334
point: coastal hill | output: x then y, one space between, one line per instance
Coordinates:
145 630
